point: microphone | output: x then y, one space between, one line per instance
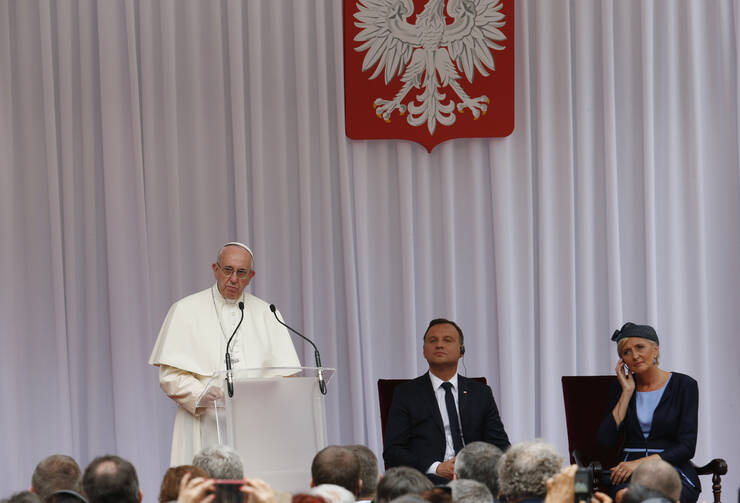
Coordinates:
229 377
316 355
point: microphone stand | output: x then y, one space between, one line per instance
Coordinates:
316 355
229 377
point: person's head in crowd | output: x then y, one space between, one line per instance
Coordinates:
636 493
109 479
22 497
409 498
439 494
306 498
660 476
336 465
220 462
369 474
332 493
524 469
470 491
55 473
477 461
170 488
65 496
399 481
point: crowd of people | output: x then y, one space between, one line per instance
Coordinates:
528 472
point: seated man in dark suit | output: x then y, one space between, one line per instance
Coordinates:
432 417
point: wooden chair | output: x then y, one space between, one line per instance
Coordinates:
586 402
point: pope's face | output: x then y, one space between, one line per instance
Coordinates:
234 262
442 345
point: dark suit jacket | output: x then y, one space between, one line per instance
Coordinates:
414 434
674 426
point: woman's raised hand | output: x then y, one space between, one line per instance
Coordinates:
626 381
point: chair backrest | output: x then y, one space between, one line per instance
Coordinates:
386 387
586 402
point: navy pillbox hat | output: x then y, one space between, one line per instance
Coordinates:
631 330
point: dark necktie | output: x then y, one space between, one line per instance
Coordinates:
457 441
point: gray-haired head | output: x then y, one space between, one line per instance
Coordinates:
332 493
369 473
636 493
524 469
477 461
56 473
399 481
659 476
220 462
470 491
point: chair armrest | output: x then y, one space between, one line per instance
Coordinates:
717 466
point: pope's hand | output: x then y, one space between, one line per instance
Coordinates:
213 394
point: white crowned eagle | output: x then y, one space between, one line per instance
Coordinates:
429 53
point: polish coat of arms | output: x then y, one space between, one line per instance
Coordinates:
434 55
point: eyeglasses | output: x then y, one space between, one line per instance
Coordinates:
228 271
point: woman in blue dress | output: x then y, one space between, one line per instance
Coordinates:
656 411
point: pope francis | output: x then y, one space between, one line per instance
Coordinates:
191 345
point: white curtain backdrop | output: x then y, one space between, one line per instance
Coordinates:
137 136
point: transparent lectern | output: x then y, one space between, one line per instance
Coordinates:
275 421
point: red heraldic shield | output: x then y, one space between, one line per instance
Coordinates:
428 70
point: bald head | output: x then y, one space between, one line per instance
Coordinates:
660 476
111 478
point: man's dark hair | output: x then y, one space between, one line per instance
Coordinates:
437 495
368 470
442 321
336 465
22 497
55 473
399 481
110 479
477 461
65 496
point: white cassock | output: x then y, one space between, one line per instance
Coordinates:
191 347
